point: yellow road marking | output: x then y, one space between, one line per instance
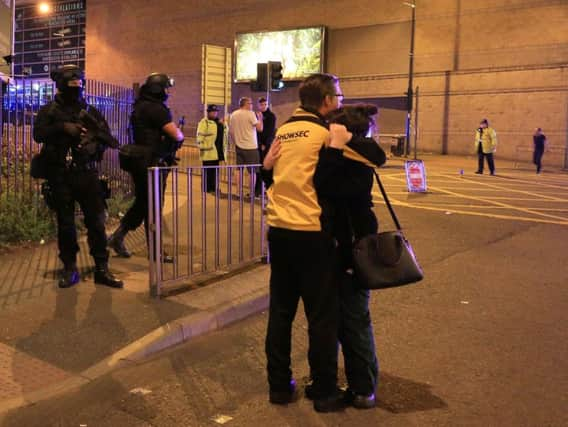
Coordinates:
541 183
490 190
457 205
471 185
514 208
488 197
515 218
531 200
452 205
516 191
464 205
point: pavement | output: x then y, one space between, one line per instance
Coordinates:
53 340
492 304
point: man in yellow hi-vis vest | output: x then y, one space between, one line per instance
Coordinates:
212 142
486 145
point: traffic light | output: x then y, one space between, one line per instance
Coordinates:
261 82
275 75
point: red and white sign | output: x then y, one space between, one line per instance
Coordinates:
415 176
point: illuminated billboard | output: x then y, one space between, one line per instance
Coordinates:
299 50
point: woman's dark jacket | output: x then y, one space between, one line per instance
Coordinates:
343 182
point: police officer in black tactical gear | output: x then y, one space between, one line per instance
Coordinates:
152 128
72 146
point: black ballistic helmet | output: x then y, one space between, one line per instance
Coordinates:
64 74
162 80
156 85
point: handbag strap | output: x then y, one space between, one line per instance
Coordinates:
389 206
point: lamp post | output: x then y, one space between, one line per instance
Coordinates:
44 8
409 93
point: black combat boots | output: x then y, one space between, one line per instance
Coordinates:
69 276
105 277
116 242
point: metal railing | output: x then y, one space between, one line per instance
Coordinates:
204 232
188 155
18 109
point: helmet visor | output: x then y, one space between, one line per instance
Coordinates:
75 83
72 75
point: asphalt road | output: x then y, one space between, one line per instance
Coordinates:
482 341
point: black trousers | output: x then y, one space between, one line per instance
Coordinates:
258 184
490 162
356 336
138 212
209 178
301 267
537 158
83 187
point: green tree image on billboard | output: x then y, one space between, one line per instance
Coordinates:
299 51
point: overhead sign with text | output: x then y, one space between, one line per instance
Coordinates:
46 40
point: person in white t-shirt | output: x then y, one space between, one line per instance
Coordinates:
243 125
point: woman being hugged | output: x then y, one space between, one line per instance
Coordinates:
343 181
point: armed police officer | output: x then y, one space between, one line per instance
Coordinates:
156 139
74 137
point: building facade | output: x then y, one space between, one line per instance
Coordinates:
504 60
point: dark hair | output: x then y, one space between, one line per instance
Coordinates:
261 99
357 118
315 88
484 121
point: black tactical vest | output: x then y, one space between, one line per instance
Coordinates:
143 133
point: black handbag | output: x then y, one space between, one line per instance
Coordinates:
385 259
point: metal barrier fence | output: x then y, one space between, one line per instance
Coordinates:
204 232
18 110
188 155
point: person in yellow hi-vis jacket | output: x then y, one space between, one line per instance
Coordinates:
486 145
212 142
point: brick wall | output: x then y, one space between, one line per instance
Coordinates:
506 60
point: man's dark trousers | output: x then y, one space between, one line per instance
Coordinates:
356 336
537 158
490 161
258 185
209 178
301 267
80 186
138 212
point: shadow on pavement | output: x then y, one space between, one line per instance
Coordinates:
72 329
399 395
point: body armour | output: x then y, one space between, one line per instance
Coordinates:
61 149
144 132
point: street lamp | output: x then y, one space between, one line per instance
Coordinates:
409 93
44 8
